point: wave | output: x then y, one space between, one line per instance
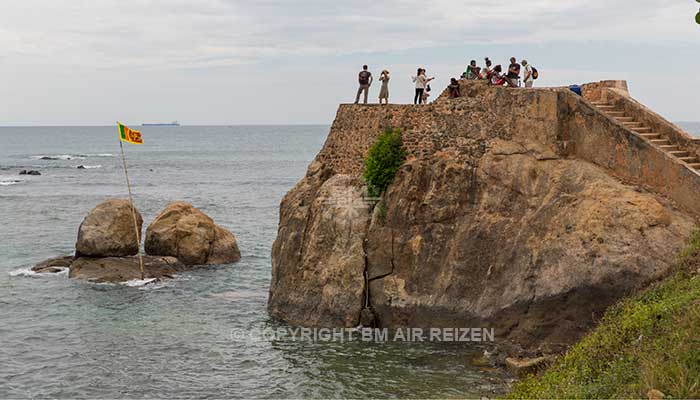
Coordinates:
88 166
64 157
58 157
8 182
27 272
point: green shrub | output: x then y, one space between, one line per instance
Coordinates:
383 160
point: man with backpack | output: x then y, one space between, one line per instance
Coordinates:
365 80
530 74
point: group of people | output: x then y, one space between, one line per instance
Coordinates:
365 80
493 75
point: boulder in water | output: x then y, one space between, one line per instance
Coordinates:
108 231
29 172
122 269
185 232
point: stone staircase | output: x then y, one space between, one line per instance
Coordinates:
657 139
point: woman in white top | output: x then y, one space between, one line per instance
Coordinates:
421 83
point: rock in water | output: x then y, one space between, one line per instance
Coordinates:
108 231
185 232
122 269
53 265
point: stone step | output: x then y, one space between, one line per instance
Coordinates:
643 129
650 135
660 141
694 166
627 120
679 153
689 159
669 147
600 103
616 114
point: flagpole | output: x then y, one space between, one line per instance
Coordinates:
133 209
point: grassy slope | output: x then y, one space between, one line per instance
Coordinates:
650 341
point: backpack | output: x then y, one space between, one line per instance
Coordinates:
364 77
535 74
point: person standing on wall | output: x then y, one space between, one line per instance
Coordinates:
365 80
421 83
529 77
513 75
486 71
384 90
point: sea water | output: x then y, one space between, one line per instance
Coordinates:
62 338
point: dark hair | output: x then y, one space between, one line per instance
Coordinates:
472 62
364 67
488 62
513 58
453 80
498 68
419 70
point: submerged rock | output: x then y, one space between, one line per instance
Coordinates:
122 269
108 231
29 172
185 232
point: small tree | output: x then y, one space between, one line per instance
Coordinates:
383 160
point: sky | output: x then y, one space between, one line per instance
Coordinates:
91 62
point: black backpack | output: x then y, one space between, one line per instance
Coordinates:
535 74
364 77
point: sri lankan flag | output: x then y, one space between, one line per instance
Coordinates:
129 135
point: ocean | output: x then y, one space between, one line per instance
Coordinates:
194 336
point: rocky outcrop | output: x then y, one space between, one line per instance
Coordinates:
326 225
180 238
185 232
123 269
491 222
108 231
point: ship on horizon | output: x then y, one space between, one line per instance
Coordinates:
174 123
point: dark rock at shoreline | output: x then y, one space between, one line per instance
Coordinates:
122 269
108 231
53 265
185 232
29 172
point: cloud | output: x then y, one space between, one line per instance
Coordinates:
167 56
167 33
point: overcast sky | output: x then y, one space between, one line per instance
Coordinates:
283 61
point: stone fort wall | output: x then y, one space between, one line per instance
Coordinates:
553 119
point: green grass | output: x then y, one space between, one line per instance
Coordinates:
649 341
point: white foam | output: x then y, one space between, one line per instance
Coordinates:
59 157
27 272
10 182
138 282
101 155
88 166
